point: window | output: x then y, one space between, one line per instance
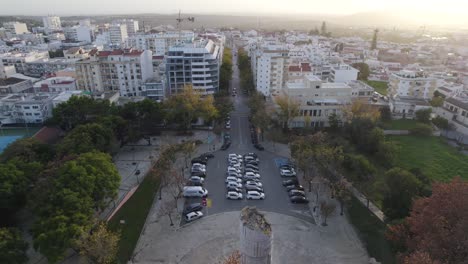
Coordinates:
26 107
36 114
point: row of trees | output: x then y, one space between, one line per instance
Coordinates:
246 77
225 71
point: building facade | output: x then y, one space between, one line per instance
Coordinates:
117 34
15 85
412 84
55 85
125 71
269 66
159 43
78 33
52 23
15 28
195 64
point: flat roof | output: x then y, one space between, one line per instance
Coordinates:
10 81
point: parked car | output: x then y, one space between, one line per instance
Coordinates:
294 187
254 195
192 216
208 155
233 155
233 174
298 199
296 193
253 162
196 179
233 169
287 173
250 170
287 167
226 145
194 191
233 179
234 189
198 160
290 182
234 196
193 208
228 126
254 188
251 154
199 173
137 172
259 147
253 183
251 166
234 184
252 175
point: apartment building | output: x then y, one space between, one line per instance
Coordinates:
15 85
343 73
19 59
117 34
195 64
121 70
6 71
75 53
156 88
412 84
455 109
15 28
55 84
269 67
317 100
41 67
159 43
52 23
78 34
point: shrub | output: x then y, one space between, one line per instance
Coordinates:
421 130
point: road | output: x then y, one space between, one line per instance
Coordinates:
276 197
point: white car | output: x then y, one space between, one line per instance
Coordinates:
193 216
287 173
234 196
233 179
234 184
254 195
253 183
252 174
237 156
233 169
228 126
198 165
234 174
197 179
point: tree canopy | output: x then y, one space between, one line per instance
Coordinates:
364 70
86 138
12 246
288 109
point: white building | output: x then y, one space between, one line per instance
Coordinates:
117 34
78 33
195 64
317 99
52 23
412 84
15 28
124 71
455 110
269 67
55 84
132 26
343 73
19 59
159 43
25 108
15 85
156 89
6 71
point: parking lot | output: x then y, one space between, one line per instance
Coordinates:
276 197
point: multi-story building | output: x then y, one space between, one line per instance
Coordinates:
15 28
159 43
19 59
132 26
156 88
15 85
52 23
6 71
412 84
455 109
55 84
41 67
317 100
269 67
195 64
343 73
78 33
125 71
117 34
75 53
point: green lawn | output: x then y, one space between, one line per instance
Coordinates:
134 212
400 124
380 87
432 155
371 231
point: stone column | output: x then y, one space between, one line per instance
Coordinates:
255 237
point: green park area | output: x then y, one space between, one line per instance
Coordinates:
380 87
438 160
400 124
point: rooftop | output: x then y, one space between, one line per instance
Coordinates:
10 81
461 102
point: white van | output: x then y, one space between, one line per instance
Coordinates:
194 191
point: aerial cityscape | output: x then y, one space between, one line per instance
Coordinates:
234 132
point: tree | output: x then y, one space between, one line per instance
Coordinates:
13 187
421 130
188 105
28 150
364 70
86 138
91 174
233 258
288 109
401 188
323 29
334 121
327 209
441 123
437 225
385 113
100 246
424 115
360 110
342 193
12 246
359 168
167 208
79 110
374 39
437 101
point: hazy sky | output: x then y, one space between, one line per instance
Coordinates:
84 7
